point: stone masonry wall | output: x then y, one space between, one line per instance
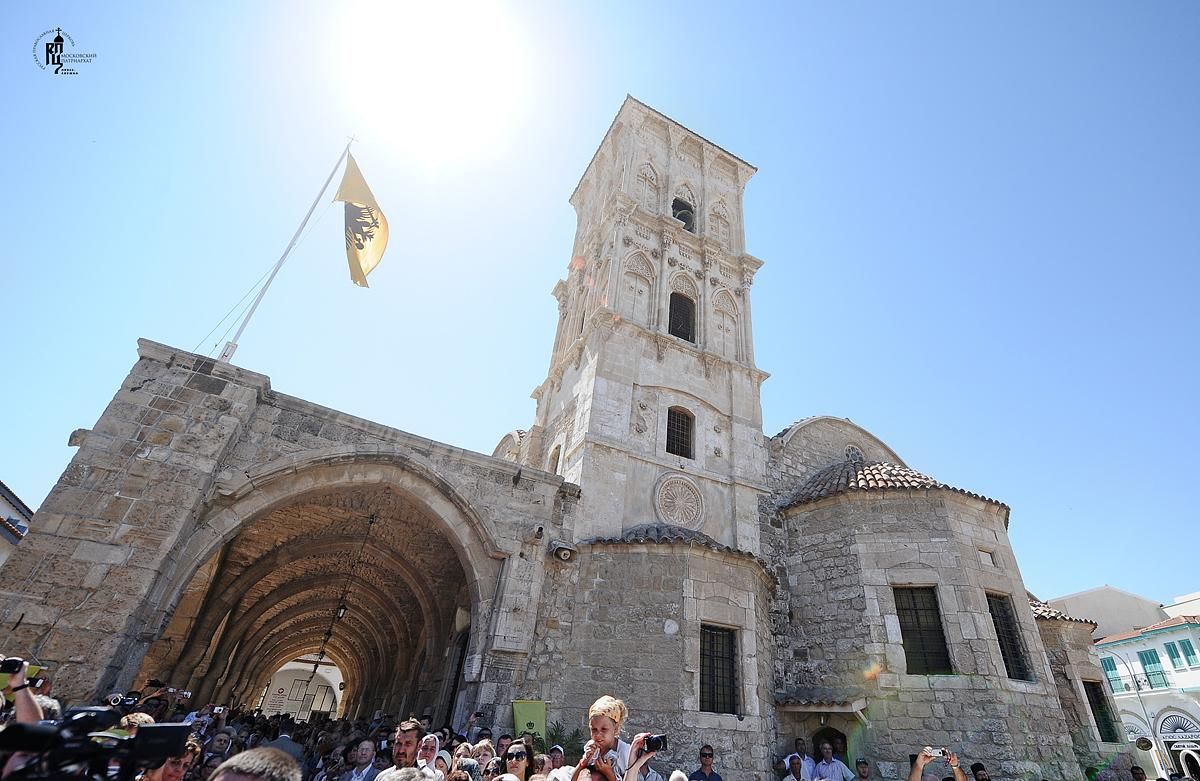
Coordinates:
625 620
1072 658
813 444
846 554
153 491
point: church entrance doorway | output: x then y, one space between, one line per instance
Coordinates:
364 580
835 738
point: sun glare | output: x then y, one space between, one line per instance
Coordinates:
442 83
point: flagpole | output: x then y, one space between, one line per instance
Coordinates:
232 345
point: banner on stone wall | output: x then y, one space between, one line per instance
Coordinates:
530 716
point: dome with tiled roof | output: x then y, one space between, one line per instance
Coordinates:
855 475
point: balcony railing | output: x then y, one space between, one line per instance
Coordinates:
1145 681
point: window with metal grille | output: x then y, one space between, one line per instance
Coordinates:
681 320
921 631
1101 711
1012 649
718 669
680 427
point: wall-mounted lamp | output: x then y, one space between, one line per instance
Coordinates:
823 719
341 612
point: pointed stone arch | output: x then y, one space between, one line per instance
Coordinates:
637 289
684 285
281 481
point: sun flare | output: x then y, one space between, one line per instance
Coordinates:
446 81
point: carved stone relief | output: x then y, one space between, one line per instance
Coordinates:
678 502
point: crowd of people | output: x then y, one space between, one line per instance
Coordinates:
232 744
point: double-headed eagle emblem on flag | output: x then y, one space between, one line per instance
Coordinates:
366 227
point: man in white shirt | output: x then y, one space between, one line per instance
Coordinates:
829 768
362 762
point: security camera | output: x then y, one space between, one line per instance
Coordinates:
562 550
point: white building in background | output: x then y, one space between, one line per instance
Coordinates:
304 688
1112 609
1154 673
14 521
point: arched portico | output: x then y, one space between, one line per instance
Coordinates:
203 507
292 542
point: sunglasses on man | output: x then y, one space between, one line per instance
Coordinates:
706 753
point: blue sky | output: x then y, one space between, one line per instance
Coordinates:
980 223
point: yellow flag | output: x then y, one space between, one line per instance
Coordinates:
366 227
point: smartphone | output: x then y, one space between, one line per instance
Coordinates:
934 752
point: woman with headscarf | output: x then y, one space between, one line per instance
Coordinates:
427 751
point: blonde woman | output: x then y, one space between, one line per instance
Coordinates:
484 752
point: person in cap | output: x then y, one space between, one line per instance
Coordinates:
557 756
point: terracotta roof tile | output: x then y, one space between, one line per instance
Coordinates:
1046 613
847 476
1166 624
662 533
818 695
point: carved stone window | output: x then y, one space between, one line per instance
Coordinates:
681 432
683 211
854 454
681 320
718 224
647 189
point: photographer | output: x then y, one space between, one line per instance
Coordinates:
640 770
930 754
24 705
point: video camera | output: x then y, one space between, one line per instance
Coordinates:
84 745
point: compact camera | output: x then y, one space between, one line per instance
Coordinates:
656 743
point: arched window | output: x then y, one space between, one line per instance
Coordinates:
552 464
681 320
718 224
726 326
646 190
681 430
636 286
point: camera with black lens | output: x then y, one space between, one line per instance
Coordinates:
85 745
656 743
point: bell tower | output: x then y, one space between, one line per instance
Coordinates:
651 403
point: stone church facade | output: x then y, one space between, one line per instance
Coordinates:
642 537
